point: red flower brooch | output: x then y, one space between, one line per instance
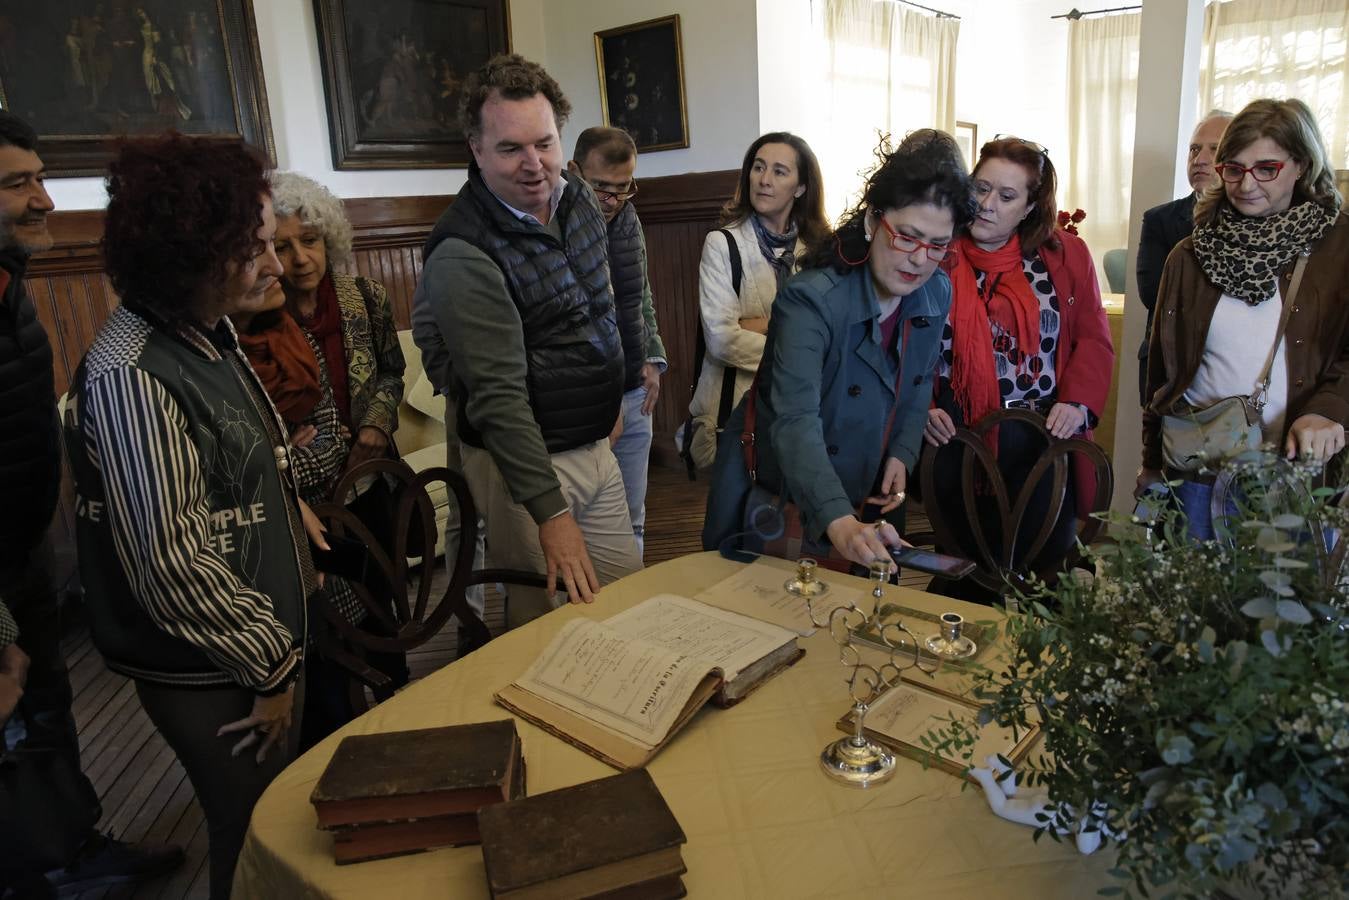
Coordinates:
1068 220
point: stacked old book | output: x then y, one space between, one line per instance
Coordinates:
408 791
612 838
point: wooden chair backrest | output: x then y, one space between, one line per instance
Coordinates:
981 483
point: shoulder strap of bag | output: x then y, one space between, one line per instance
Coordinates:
751 396
1258 399
727 401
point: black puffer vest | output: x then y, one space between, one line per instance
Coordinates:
30 452
566 308
627 270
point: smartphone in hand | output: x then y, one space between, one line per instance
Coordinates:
345 557
952 567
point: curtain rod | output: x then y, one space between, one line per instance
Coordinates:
936 12
1075 14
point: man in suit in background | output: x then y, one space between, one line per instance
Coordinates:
1167 225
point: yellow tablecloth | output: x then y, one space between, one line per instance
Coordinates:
762 820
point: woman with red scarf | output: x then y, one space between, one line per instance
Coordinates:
1026 330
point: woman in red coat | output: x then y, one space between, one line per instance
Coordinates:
1026 330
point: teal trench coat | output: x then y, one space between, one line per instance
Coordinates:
825 391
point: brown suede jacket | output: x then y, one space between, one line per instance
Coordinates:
1316 340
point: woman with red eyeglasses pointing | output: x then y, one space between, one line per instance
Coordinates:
1026 330
1228 309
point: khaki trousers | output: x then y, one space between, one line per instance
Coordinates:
593 487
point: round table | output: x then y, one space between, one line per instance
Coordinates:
762 820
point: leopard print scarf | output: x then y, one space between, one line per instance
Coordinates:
1244 255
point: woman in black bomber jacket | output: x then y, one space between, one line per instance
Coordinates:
192 539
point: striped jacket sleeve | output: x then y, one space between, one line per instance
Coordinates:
159 518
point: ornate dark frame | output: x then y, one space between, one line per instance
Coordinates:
82 155
349 151
671 22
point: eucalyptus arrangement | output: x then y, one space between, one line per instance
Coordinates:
1192 697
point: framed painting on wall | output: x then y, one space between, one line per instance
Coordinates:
86 72
642 82
967 138
392 72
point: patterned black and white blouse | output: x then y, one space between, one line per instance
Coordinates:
1035 381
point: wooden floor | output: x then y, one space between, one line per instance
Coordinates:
146 795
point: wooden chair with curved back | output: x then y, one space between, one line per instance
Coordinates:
416 617
982 483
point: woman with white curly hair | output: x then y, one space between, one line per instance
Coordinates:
350 322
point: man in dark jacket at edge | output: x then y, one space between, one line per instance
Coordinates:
1167 225
48 842
515 288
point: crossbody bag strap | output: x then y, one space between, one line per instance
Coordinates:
727 400
1259 397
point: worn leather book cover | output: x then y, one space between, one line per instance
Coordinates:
376 840
583 841
417 774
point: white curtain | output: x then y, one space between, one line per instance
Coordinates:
1102 85
885 69
1280 49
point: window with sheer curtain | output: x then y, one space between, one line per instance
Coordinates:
885 69
1280 48
1102 84
1252 49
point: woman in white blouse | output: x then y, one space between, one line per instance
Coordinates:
777 210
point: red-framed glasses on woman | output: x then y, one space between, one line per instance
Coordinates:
1265 170
905 244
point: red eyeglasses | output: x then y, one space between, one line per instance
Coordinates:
1265 170
905 244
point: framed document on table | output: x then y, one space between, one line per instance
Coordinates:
907 712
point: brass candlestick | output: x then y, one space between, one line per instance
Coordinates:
805 583
949 643
855 759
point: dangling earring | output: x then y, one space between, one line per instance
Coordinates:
838 248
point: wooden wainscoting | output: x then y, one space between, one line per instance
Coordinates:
73 295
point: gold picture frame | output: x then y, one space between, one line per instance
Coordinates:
967 138
641 69
926 705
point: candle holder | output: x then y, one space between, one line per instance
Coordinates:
805 583
855 759
949 643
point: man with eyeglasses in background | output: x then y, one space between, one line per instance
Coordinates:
607 159
1167 225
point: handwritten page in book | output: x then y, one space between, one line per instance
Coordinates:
905 713
757 591
634 688
730 642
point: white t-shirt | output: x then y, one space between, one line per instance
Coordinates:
1238 344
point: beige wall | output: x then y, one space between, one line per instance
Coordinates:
720 73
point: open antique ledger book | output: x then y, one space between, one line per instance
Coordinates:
619 689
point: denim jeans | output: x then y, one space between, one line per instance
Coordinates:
633 451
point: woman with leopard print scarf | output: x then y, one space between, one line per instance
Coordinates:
1223 289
